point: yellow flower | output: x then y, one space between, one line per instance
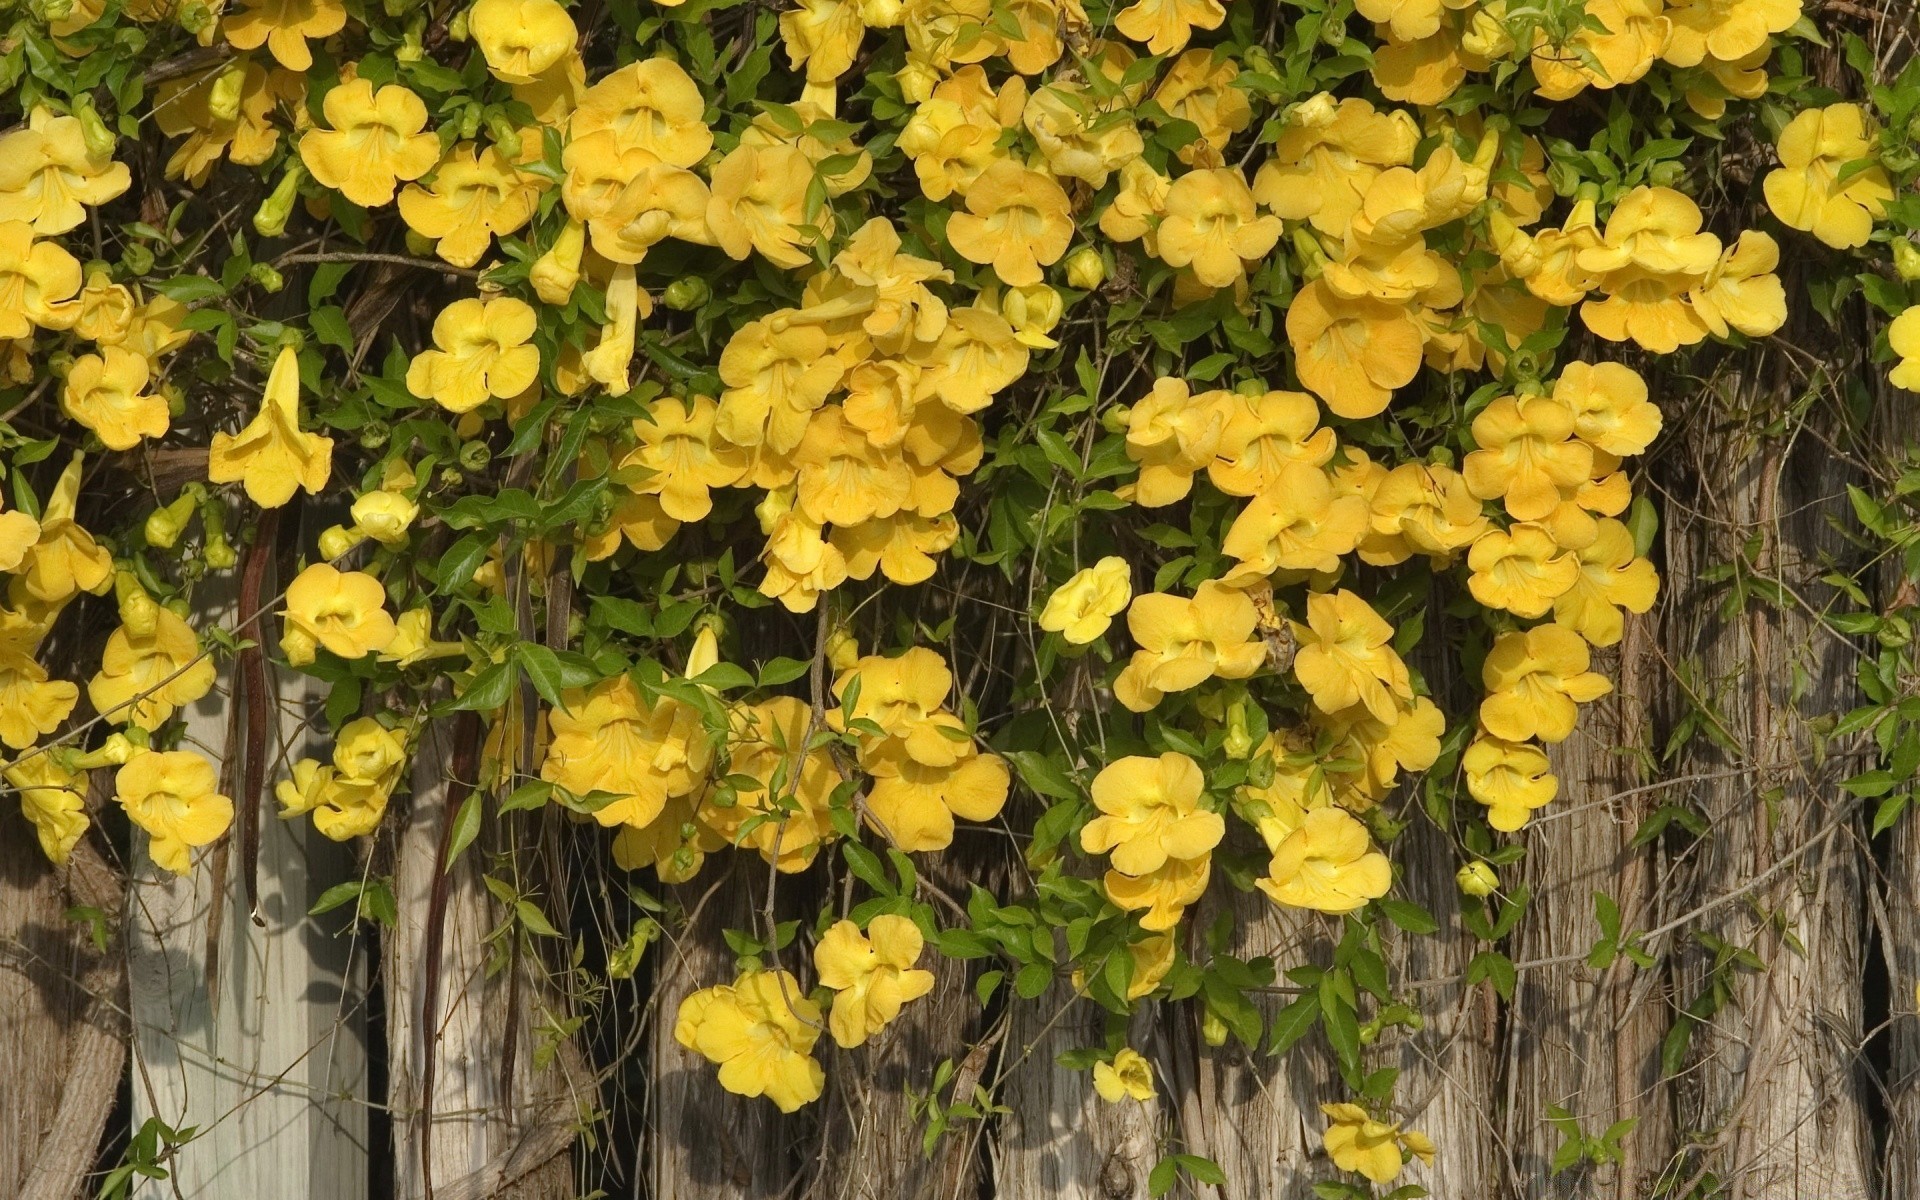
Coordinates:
871 975
1328 156
761 1031
1017 221
1262 437
1610 408
1431 508
1081 608
1411 741
901 546
374 144
108 395
475 196
1534 681
1300 525
823 36
1150 812
49 177
1635 34
1741 291
1199 88
173 796
1510 778
1352 353
1210 224
30 703
1151 958
1137 206
1167 25
1079 136
66 559
521 38
1357 1142
786 810
1162 896
1346 657
284 27
1725 30
916 804
759 203
1903 335
247 135
1610 579
1651 255
54 800
1184 643
685 456
610 361
272 457
1528 455
38 283
777 372
651 105
344 611
1128 1076
144 679
630 200
481 351
843 479
1172 434
1806 191
1327 864
905 696
1522 570
610 739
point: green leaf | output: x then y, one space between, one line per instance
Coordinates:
329 325
1044 776
533 794
1409 916
490 689
466 827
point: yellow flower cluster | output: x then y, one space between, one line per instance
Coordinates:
1158 837
348 798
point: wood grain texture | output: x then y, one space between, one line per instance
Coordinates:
1581 1039
1772 1091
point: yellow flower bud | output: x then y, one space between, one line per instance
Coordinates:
1086 270
298 645
1033 311
555 273
114 752
338 540
223 98
1213 1031
270 219
138 612
384 516
1239 743
1477 879
843 649
99 137
1906 259
1313 256
165 525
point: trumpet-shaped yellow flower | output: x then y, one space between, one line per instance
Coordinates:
1328 156
686 458
481 351
272 457
900 547
39 282
1611 579
1431 508
108 394
1150 812
1017 221
823 36
1510 778
1352 353
905 696
915 805
1903 335
1725 31
348 798
1080 137
611 739
31 705
1327 864
284 27
247 134
1806 191
1209 223
759 203
777 372
1172 434
785 812
760 1030
1081 608
1652 253
1166 26
843 479
53 799
1184 643
174 796
1635 33
872 975
1741 291
1301 525
651 105
475 196
144 678
1128 1077
374 144
49 177
1198 87
1528 455
1610 408
66 560
1522 570
1346 657
1357 1142
344 611
521 38
1535 681
1263 436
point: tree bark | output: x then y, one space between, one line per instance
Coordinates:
1582 1039
1771 1095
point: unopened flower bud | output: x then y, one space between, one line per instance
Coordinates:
194 17
1315 112
337 540
223 98
843 649
165 525
419 244
1477 879
114 752
1033 311
375 434
1239 742
297 644
686 293
555 273
218 552
1313 256
457 28
138 612
469 122
412 47
384 516
99 137
137 258
506 139
474 456
270 219
1906 259
1213 1031
1086 270
53 10
268 279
